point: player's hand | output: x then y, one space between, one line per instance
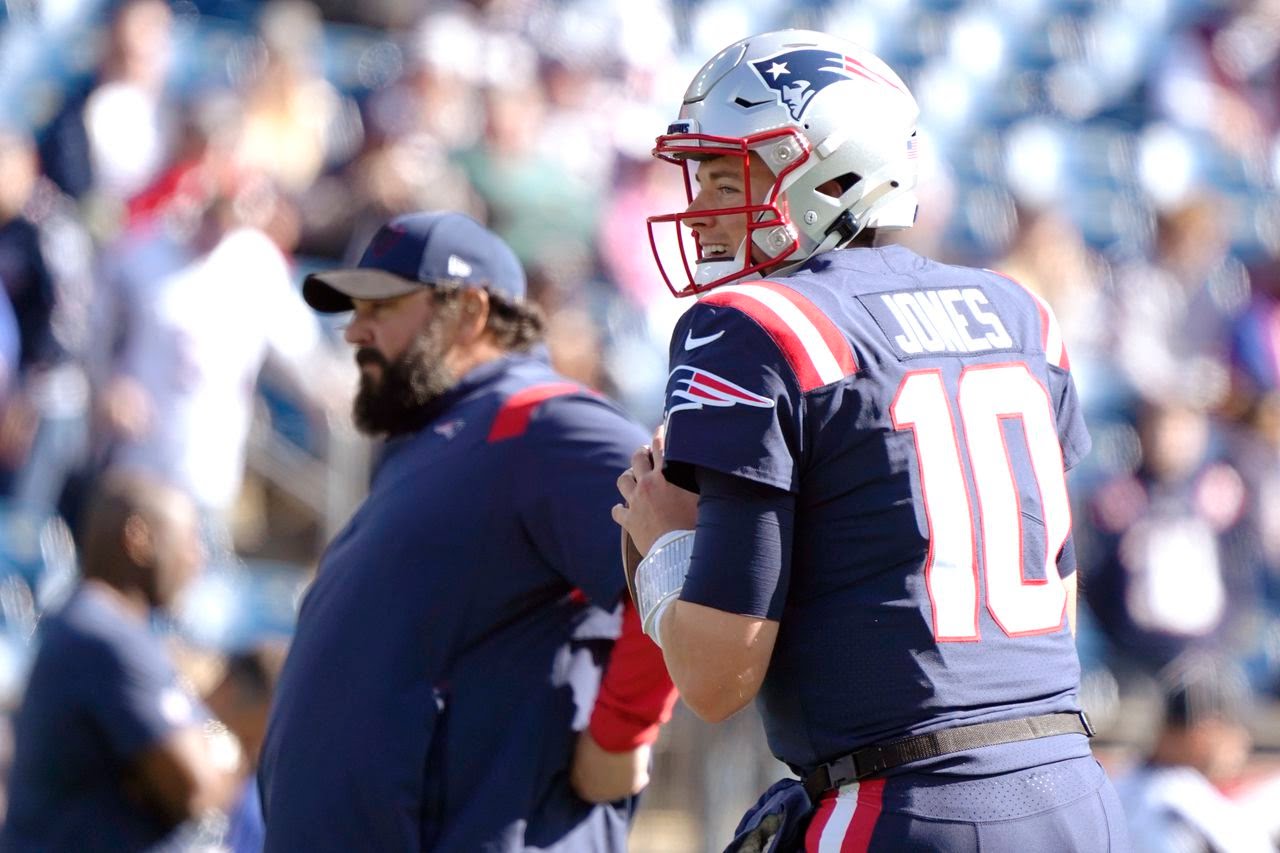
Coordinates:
652 506
598 776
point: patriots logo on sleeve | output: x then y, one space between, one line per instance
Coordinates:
703 388
797 75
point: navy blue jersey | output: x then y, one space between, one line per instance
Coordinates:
922 416
451 645
101 692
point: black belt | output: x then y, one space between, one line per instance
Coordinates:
880 757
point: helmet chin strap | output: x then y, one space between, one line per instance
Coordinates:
709 271
848 225
831 241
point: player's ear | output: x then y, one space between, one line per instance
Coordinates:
831 188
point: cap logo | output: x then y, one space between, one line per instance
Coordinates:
797 75
458 268
386 240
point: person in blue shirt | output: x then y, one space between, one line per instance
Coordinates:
110 749
879 547
446 688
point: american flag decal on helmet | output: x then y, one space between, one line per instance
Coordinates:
703 388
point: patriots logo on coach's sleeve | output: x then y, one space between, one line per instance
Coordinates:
797 75
703 388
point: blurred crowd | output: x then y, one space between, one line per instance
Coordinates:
169 171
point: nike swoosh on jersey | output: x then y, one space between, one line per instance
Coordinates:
690 342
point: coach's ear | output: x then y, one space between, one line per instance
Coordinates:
474 316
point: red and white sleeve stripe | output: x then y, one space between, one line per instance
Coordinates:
1055 349
817 351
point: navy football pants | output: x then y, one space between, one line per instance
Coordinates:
1065 807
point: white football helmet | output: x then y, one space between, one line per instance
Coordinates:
816 109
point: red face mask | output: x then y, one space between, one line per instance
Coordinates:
770 214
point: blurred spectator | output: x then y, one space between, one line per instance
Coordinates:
1176 309
188 322
45 263
242 700
1179 547
295 122
391 176
537 206
437 96
1049 256
1172 801
111 752
1221 75
412 125
204 164
118 136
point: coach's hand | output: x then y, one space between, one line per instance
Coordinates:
652 506
598 776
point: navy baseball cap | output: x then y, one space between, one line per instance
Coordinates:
420 250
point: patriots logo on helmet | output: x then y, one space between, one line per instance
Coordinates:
703 388
797 75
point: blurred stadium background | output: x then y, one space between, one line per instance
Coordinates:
1118 156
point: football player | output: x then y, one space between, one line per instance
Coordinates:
879 550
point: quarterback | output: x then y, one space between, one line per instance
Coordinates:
857 511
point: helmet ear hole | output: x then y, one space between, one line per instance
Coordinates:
839 185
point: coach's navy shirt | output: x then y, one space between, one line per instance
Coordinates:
101 692
446 655
922 416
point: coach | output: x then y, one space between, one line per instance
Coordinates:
454 642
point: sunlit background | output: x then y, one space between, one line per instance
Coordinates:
1118 157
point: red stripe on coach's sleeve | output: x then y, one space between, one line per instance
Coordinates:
831 336
513 418
775 327
636 694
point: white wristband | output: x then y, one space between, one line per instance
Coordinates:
654 627
667 538
660 577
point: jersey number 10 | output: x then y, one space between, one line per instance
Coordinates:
987 396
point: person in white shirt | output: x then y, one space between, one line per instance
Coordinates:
1172 801
186 325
